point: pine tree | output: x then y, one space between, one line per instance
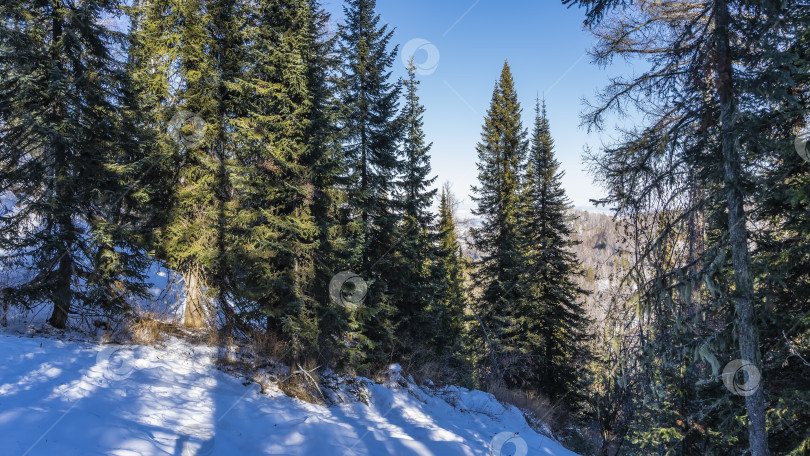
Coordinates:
551 317
501 154
371 132
67 158
412 288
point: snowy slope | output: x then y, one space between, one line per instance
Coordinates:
74 398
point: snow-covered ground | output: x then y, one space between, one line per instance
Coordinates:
63 397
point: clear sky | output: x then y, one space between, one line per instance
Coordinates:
460 48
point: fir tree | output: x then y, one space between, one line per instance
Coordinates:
501 154
412 288
186 59
328 181
371 133
67 158
415 195
551 317
451 266
270 226
447 315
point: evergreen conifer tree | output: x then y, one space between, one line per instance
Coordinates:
448 313
328 176
66 158
501 154
270 228
551 316
413 289
371 133
721 130
187 60
451 265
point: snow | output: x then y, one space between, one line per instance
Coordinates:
71 397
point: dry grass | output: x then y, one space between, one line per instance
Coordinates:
265 383
258 359
538 409
260 351
423 364
299 388
303 383
150 328
264 345
228 353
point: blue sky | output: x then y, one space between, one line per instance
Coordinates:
545 44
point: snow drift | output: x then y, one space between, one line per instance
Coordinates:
74 398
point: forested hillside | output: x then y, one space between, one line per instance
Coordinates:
605 254
266 156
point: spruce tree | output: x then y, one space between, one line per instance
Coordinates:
451 265
270 228
371 133
66 158
447 315
501 153
186 61
328 178
412 288
551 316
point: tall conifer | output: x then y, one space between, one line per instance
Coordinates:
412 288
187 58
448 312
66 157
720 130
328 178
271 230
371 133
501 153
551 318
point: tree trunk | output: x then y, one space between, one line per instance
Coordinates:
366 259
195 315
62 294
738 231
